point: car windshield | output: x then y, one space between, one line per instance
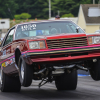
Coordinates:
46 29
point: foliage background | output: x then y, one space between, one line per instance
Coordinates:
40 8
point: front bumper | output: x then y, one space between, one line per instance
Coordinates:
45 56
63 51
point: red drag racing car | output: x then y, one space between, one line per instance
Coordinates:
47 51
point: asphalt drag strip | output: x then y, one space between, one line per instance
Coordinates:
87 89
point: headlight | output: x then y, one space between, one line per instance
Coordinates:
37 44
94 39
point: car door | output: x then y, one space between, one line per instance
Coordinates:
7 57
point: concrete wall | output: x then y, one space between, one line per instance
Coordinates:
4 23
4 26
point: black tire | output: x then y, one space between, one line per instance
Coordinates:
94 69
9 84
26 79
66 81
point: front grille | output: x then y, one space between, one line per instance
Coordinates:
67 42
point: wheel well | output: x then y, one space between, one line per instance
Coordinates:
17 55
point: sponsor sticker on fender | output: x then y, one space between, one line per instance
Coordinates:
9 62
4 64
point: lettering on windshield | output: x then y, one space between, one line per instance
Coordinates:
28 27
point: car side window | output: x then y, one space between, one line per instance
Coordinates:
9 37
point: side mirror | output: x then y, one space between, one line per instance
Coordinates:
77 29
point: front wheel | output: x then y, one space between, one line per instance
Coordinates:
25 73
66 81
94 69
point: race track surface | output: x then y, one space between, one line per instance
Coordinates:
87 89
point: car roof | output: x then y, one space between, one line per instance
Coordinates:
39 21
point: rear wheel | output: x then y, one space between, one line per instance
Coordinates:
8 83
25 73
66 81
95 69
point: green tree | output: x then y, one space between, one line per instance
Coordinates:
40 8
66 6
68 15
37 8
8 8
17 17
25 16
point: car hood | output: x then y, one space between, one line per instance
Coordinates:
58 36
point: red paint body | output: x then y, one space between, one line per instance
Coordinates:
23 46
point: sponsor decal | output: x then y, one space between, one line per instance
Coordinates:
8 62
4 64
28 27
